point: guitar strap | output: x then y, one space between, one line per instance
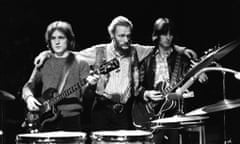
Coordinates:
65 73
176 70
100 56
174 78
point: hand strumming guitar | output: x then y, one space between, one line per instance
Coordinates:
32 103
153 95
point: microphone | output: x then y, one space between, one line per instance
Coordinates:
187 84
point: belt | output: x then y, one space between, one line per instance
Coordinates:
116 107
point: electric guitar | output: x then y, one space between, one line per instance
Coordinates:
144 112
35 120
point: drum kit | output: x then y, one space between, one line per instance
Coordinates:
194 118
97 137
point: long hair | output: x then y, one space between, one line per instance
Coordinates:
161 26
65 28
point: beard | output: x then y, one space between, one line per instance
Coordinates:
122 49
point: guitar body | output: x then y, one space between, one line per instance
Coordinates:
46 116
144 112
141 115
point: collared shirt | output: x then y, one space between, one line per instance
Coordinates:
162 72
117 82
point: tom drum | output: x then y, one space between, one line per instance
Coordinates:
122 137
55 137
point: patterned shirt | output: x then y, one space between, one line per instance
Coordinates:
162 73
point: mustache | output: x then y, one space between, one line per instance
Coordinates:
126 44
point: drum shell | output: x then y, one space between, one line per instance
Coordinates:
112 137
52 138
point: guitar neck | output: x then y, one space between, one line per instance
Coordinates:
67 92
205 61
103 69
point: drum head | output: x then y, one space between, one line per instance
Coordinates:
122 135
51 137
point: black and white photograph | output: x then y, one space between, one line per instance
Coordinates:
120 72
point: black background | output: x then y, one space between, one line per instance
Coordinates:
200 25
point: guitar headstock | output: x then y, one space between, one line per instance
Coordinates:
108 66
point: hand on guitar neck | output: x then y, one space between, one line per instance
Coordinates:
92 79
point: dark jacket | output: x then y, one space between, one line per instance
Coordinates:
147 69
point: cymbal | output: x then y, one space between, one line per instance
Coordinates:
219 106
178 119
225 49
6 95
212 56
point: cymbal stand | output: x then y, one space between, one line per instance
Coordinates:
226 140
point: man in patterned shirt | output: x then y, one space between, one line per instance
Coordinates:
162 68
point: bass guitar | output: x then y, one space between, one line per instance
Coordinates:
35 120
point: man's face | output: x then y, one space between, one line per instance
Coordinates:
165 40
58 42
122 37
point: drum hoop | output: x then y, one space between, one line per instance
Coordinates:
52 139
181 125
114 138
81 137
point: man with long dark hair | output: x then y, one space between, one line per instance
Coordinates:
161 69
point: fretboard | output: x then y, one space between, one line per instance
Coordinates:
67 92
